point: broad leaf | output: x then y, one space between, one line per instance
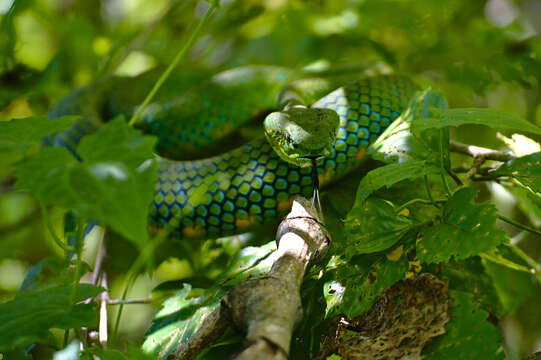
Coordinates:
391 174
176 322
469 334
133 353
526 170
20 134
29 316
355 287
117 142
489 117
467 229
108 192
398 143
373 226
513 285
51 271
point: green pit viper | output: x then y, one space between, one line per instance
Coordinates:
252 184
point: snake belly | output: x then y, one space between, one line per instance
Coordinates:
241 189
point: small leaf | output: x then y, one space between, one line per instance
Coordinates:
176 322
526 170
29 316
373 226
391 174
467 229
489 117
469 334
355 287
20 134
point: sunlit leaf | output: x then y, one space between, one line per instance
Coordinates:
488 117
176 322
355 287
525 169
373 226
391 174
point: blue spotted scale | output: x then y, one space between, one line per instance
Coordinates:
238 190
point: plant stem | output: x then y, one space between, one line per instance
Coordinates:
55 237
476 151
172 65
132 274
519 225
422 201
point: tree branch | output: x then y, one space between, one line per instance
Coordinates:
268 308
476 151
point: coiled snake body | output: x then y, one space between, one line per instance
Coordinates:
237 190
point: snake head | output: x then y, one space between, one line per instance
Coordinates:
300 134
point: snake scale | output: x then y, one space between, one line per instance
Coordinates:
237 190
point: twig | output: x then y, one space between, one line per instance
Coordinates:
476 151
477 162
268 308
146 300
103 298
519 225
534 265
172 65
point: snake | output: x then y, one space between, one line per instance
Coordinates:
254 183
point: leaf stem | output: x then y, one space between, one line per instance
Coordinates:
519 225
132 275
422 201
535 266
172 65
55 237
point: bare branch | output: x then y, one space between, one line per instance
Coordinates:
476 151
268 308
146 300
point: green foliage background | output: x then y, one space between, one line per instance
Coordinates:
477 53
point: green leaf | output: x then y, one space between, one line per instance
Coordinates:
108 192
469 276
391 174
133 353
373 226
176 322
117 142
469 334
512 285
398 144
355 287
526 170
51 271
489 117
467 229
29 316
20 134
